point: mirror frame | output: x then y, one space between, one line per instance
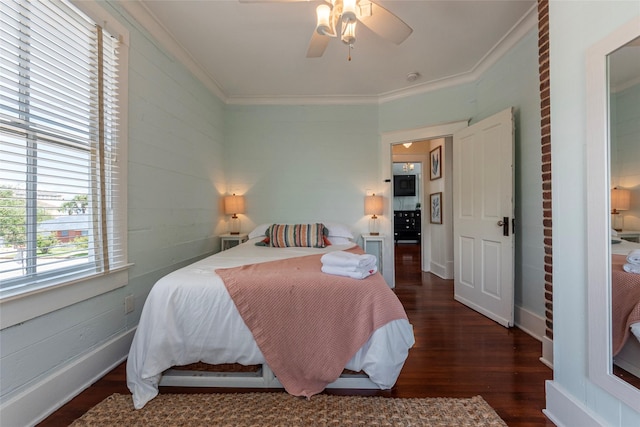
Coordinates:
598 217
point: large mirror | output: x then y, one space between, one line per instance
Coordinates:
624 179
613 219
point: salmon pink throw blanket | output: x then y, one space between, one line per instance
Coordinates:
625 301
308 324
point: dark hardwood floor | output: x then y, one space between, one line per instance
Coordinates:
458 353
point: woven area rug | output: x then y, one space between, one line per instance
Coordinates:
282 409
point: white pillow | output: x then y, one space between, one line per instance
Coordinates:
338 230
338 240
260 230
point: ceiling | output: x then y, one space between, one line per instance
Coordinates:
253 52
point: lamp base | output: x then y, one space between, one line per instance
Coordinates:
617 222
234 225
373 226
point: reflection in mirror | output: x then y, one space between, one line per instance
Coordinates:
612 141
624 169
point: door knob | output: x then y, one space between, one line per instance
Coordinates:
505 225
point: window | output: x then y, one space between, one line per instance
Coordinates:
62 196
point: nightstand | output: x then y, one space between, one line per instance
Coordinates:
227 241
375 244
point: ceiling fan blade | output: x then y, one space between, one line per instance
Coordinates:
384 23
317 45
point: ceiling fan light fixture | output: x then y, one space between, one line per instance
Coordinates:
323 26
349 11
349 33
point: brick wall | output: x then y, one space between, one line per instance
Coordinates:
545 125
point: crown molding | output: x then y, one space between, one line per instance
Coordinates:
513 36
304 100
149 22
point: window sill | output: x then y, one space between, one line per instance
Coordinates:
20 308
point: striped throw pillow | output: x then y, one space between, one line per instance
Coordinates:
296 235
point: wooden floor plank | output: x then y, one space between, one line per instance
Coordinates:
458 353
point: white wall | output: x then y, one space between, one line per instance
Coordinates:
574 27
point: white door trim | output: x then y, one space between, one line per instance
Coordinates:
388 139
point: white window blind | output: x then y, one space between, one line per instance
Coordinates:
59 176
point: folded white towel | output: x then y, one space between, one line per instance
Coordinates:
634 257
631 268
348 259
358 274
364 267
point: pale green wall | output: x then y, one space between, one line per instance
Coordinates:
303 163
574 27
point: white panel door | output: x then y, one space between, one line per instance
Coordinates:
482 204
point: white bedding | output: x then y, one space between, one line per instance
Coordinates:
622 247
189 317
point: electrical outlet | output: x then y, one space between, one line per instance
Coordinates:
129 304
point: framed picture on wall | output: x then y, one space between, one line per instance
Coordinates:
436 163
435 203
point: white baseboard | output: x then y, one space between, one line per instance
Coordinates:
547 351
564 411
529 322
443 271
438 269
41 399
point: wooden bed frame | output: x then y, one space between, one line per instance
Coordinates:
263 377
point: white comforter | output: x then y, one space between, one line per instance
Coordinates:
189 317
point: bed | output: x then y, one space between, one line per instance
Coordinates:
190 316
625 297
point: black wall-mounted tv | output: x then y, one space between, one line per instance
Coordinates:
404 185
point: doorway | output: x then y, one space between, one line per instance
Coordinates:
407 212
428 162
388 141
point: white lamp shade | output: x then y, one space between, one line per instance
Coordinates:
233 204
349 11
349 33
620 199
323 13
373 205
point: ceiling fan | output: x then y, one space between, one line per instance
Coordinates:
338 18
